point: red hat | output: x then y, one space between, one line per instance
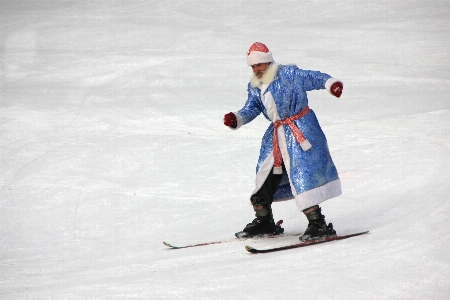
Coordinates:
258 54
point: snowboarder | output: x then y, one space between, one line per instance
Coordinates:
294 161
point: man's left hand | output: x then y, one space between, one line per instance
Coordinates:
336 89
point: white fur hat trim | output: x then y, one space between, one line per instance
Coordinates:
256 57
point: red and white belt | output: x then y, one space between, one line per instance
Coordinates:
298 134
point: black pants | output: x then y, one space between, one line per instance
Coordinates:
270 186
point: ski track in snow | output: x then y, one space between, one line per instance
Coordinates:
111 141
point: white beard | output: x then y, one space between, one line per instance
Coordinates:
267 78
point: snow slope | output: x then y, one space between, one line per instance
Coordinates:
111 141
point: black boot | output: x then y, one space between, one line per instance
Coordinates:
263 223
317 227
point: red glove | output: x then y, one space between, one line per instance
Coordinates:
230 120
336 89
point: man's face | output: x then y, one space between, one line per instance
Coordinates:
259 69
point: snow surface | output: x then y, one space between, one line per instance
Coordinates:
111 141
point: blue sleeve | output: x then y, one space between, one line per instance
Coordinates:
312 80
252 107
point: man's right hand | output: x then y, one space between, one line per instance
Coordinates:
230 120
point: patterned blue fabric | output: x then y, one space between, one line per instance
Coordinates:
310 169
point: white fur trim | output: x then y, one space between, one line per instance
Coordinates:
330 82
256 57
267 165
318 195
271 108
263 172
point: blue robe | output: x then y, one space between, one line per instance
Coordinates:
311 176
